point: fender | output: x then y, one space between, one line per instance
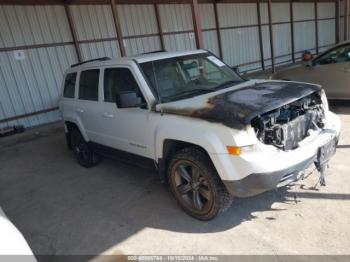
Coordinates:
78 122
212 137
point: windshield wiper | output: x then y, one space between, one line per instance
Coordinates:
228 84
197 91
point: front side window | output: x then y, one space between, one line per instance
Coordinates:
335 56
186 76
88 85
118 81
69 85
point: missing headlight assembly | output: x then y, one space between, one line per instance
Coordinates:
286 126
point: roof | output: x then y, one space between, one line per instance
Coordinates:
139 58
163 55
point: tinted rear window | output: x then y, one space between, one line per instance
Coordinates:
88 85
69 85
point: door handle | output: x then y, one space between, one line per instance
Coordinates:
108 115
80 110
346 69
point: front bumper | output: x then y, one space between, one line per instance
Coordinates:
257 183
254 173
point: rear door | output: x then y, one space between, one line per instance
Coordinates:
67 102
87 103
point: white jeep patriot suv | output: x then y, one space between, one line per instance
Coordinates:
211 134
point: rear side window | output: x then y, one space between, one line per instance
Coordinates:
69 85
88 85
119 80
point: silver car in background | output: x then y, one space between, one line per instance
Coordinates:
331 69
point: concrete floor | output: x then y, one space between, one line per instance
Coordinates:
117 208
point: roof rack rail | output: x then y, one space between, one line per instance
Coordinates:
91 60
153 52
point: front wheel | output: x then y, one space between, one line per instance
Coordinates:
196 185
82 151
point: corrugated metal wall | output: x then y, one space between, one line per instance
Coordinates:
304 27
326 25
240 36
210 36
177 26
95 22
33 84
137 20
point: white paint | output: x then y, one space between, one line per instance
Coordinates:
11 240
126 130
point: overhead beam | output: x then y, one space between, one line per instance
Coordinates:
316 26
159 26
118 28
261 46
337 21
73 32
292 29
271 36
197 24
346 20
217 27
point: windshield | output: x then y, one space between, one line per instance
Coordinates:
187 76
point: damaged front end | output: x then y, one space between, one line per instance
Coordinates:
286 126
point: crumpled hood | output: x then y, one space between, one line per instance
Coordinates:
237 106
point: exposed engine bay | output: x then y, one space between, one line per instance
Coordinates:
286 126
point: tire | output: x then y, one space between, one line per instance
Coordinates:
85 156
196 185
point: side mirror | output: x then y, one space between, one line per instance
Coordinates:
128 99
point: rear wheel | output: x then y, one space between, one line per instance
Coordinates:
82 151
196 185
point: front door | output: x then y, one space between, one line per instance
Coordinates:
127 129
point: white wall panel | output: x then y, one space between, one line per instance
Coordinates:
240 46
137 19
207 16
304 36
325 10
326 28
211 41
99 49
210 38
281 32
142 45
177 42
33 84
266 44
237 14
326 32
175 17
31 25
303 11
93 21
282 43
280 12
